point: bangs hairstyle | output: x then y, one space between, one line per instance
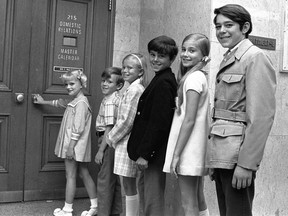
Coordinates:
106 74
75 74
164 45
236 13
141 64
203 44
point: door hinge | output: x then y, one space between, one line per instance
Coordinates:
110 5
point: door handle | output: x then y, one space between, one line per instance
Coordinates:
19 97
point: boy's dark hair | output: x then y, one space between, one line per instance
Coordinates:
237 13
106 74
164 45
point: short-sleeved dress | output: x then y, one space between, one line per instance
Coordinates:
119 135
76 124
193 157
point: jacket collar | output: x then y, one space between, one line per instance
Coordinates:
163 71
237 53
242 49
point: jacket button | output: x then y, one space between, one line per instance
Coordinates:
138 113
215 99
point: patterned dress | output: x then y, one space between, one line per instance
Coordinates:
76 124
120 133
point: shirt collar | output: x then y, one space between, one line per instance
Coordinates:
137 81
234 48
111 95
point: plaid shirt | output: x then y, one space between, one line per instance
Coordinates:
126 114
108 111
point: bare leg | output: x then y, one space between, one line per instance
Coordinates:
90 187
129 185
132 199
201 198
87 180
189 194
71 174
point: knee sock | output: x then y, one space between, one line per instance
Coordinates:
132 205
204 213
68 207
94 203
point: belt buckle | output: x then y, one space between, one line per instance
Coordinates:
235 116
213 112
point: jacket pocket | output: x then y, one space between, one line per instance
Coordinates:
232 78
226 140
231 87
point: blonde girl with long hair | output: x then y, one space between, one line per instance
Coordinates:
186 150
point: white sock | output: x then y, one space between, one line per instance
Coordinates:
68 207
132 205
94 203
204 213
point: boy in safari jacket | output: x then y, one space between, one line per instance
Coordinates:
243 114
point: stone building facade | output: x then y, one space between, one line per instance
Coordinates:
138 21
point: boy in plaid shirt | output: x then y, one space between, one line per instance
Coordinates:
108 184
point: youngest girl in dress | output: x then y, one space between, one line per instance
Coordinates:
74 140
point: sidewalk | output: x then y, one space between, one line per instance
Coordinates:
42 208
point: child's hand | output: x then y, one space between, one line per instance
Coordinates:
242 177
70 153
100 140
211 174
99 157
37 99
142 163
174 165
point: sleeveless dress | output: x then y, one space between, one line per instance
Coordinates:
193 157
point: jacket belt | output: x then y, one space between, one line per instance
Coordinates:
228 115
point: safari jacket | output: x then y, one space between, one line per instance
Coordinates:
244 108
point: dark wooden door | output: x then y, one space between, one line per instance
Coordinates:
45 38
14 66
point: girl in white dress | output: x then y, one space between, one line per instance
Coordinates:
74 140
186 150
133 69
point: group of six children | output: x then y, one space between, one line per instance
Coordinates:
160 129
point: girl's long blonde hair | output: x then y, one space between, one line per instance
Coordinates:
203 43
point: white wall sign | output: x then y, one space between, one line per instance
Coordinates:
285 44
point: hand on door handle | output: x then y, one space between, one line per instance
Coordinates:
37 99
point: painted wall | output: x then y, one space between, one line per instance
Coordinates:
137 22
